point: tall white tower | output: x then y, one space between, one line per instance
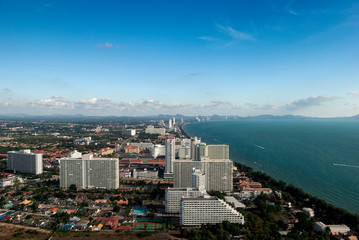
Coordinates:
170 154
198 180
170 124
174 121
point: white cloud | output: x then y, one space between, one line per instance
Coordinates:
228 30
206 38
309 102
89 101
106 106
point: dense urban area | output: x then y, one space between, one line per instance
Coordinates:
145 179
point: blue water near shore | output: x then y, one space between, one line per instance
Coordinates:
319 156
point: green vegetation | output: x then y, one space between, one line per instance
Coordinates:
148 136
323 210
218 194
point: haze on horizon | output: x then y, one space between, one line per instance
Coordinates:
235 57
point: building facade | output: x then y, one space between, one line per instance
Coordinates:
173 197
152 130
25 161
220 151
89 172
130 132
218 173
170 154
198 180
204 210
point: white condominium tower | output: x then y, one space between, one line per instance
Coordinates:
88 172
218 173
217 151
25 161
198 180
170 154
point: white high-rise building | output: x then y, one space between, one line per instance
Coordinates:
88 172
152 130
174 121
184 151
198 180
218 151
25 161
170 154
173 197
206 209
200 150
170 124
213 151
218 173
194 142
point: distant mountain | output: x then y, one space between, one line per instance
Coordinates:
268 117
80 117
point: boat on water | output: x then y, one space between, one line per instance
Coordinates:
259 146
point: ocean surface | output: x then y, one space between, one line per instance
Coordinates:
319 156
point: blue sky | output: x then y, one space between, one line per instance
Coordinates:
188 57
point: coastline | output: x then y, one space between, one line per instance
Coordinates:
278 179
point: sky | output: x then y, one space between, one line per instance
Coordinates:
137 58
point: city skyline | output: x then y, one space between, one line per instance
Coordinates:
142 58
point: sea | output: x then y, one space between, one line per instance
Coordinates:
319 156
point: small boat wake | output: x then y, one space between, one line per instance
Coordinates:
259 146
345 165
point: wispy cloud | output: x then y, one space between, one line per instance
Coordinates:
291 11
57 97
107 45
309 102
206 38
231 32
354 93
288 8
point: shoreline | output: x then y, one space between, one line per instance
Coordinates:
277 179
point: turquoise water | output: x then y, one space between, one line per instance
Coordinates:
319 156
140 211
